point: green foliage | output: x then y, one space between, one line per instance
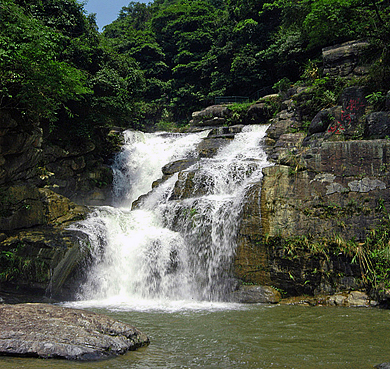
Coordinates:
376 99
308 26
283 85
191 52
372 255
173 55
16 264
239 112
32 78
322 93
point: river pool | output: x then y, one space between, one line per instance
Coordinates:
212 335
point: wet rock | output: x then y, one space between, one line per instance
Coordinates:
191 183
177 166
251 258
256 294
47 331
53 261
209 147
225 132
352 299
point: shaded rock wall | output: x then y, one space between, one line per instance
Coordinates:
329 185
37 182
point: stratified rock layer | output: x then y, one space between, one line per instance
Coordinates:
48 331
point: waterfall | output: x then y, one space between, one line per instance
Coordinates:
179 242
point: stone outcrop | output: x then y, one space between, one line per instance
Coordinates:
248 294
341 299
378 125
44 262
212 116
38 182
223 117
323 186
34 241
343 60
77 173
48 331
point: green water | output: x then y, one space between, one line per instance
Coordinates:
247 336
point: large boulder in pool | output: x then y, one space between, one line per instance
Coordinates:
49 331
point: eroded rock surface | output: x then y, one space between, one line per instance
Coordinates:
48 331
256 294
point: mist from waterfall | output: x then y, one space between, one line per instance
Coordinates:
179 243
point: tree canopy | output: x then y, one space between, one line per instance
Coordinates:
162 60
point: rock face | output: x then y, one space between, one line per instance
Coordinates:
326 188
342 299
37 182
34 241
20 147
212 116
47 331
256 294
342 60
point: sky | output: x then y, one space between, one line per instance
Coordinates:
107 11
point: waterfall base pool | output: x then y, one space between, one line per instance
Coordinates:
244 336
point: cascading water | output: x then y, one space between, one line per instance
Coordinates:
179 242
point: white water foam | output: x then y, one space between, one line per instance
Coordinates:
171 252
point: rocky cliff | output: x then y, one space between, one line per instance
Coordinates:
318 222
314 224
308 227
39 184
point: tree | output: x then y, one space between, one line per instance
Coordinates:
33 80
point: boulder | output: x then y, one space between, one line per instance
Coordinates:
321 121
211 116
48 331
344 60
352 299
177 166
248 294
377 125
341 299
258 113
225 132
210 146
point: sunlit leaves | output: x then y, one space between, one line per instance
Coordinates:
32 77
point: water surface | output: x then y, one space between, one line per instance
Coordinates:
215 335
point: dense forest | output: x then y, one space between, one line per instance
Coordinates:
158 62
